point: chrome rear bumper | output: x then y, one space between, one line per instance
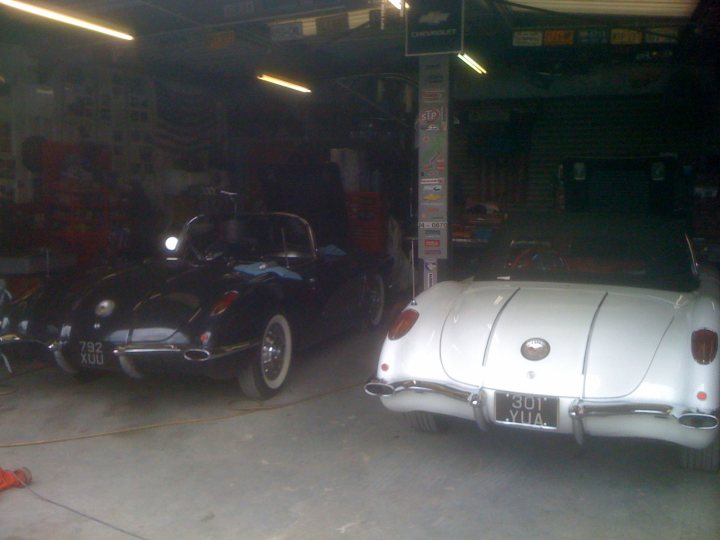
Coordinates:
579 409
376 387
191 354
127 355
476 399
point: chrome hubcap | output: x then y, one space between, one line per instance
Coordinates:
273 352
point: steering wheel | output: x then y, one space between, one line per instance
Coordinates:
194 253
539 258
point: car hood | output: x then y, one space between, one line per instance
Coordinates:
601 342
147 303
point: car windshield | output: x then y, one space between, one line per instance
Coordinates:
251 236
608 249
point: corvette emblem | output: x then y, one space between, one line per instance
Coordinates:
535 349
105 308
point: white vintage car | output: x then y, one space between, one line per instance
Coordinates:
588 325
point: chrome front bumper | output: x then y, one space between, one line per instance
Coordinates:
579 410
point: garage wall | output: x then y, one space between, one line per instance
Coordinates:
489 151
524 176
609 128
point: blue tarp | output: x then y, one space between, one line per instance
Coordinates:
260 268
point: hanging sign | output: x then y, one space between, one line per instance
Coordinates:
625 36
661 35
558 37
593 36
527 38
220 40
286 31
434 27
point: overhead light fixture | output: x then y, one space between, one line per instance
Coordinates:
282 82
472 63
398 4
55 16
643 8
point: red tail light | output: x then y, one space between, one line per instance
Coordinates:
224 303
704 345
402 325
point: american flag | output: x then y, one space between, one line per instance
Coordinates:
187 123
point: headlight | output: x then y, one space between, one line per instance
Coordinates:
171 243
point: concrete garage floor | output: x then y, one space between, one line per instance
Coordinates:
327 462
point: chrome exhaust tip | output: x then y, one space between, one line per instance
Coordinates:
196 355
376 388
699 420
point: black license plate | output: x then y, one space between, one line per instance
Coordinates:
527 410
94 354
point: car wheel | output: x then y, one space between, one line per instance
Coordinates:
426 422
706 459
374 300
264 375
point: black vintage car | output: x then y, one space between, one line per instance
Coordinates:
235 296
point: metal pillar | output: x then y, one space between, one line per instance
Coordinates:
433 186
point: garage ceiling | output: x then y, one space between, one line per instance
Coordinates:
227 41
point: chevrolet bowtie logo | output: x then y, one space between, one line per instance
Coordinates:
535 349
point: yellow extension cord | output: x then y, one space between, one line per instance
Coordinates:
236 413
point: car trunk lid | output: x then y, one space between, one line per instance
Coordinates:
160 315
591 333
626 334
147 303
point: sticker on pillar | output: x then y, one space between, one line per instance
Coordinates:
431 140
435 163
432 119
433 74
430 273
432 225
432 181
432 193
432 96
432 212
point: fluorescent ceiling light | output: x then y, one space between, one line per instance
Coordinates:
639 8
54 15
287 84
397 4
472 63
